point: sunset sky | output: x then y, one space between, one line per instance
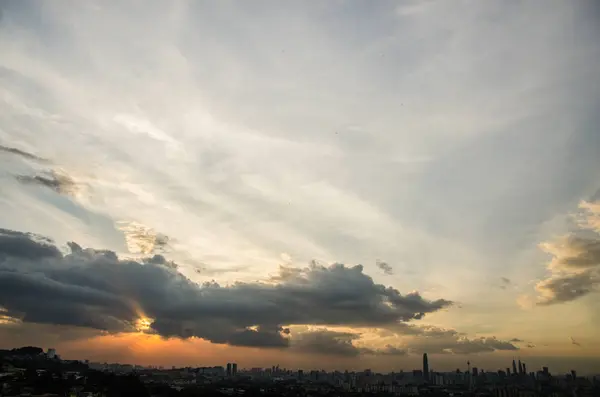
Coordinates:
326 184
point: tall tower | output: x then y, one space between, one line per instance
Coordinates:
425 367
514 368
520 367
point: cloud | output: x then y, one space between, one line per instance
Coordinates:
22 153
505 282
96 289
387 268
461 345
574 252
574 342
143 239
26 246
436 340
61 183
327 342
566 288
516 340
575 263
530 345
330 342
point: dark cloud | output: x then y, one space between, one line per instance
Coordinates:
22 153
327 342
574 342
386 267
576 252
435 340
96 289
462 345
504 282
516 340
26 246
161 260
575 265
336 343
59 182
568 287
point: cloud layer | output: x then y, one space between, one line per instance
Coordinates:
96 289
575 264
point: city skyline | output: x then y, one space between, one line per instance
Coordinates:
349 184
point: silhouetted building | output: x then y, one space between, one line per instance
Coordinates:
475 371
520 367
508 371
574 374
425 367
524 369
514 371
228 369
234 369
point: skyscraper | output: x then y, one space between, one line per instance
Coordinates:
425 367
234 369
514 368
524 369
228 369
520 367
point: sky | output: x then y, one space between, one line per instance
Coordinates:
340 184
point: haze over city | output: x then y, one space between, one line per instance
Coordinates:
328 185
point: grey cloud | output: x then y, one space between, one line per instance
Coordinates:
461 345
530 345
516 340
386 267
391 351
26 246
574 342
435 340
505 282
22 153
96 289
579 252
575 265
327 342
161 260
60 183
566 288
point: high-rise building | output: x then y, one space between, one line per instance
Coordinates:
475 371
524 369
234 369
520 367
514 368
425 367
228 369
507 371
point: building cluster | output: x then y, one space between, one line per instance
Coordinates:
514 381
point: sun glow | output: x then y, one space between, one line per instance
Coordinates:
143 324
